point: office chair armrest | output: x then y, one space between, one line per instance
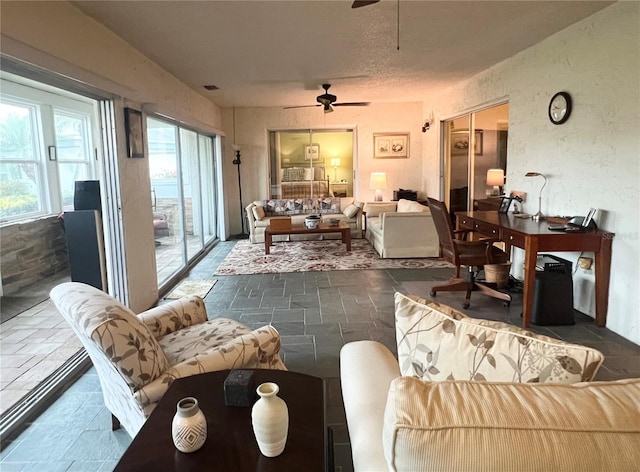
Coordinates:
461 232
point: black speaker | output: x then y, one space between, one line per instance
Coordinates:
87 195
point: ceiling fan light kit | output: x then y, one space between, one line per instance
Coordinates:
328 101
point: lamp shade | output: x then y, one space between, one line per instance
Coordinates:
335 162
495 177
378 180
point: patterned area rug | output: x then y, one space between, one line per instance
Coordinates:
187 288
310 256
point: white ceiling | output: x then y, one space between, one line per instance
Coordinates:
278 53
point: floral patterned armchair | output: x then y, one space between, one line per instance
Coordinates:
137 357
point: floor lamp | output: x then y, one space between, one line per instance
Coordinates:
237 162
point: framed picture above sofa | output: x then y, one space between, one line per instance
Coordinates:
391 145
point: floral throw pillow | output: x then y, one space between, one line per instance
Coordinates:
436 342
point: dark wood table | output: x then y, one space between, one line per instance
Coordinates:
230 444
534 237
343 228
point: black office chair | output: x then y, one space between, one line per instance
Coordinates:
472 254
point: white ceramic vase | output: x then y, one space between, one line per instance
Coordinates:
270 420
189 426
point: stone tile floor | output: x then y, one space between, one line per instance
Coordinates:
316 313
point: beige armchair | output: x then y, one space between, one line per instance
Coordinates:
137 357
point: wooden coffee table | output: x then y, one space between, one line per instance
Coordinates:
230 444
343 228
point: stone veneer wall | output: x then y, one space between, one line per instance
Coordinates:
31 251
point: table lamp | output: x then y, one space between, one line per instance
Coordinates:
378 182
538 216
335 163
495 179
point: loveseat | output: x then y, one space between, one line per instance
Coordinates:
401 229
479 395
260 213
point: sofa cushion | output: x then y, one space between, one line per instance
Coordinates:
376 209
409 206
436 342
484 426
258 212
351 211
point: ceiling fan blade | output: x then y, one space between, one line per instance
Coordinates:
301 106
363 3
352 104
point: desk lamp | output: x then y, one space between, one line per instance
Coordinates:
538 216
378 181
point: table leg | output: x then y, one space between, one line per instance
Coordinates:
603 274
530 259
267 242
346 238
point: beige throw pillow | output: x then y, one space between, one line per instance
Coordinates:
258 212
351 211
436 342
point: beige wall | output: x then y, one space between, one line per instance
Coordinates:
593 160
58 37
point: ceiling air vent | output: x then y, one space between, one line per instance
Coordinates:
211 87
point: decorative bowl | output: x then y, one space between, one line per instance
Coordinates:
312 221
334 221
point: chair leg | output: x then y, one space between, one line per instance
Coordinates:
469 285
115 423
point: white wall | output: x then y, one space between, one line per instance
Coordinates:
60 38
593 159
252 125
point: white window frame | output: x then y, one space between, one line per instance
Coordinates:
47 101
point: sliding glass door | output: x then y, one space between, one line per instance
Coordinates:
182 194
476 159
311 163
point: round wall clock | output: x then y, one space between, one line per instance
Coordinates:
560 108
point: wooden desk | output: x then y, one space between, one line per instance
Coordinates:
535 237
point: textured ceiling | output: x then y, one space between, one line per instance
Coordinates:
278 53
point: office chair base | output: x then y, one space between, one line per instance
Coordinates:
462 285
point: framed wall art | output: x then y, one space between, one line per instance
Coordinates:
312 152
133 128
390 145
460 143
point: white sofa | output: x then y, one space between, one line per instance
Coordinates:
347 209
401 229
559 420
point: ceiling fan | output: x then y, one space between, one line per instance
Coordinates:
328 101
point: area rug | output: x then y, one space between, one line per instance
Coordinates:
313 256
187 288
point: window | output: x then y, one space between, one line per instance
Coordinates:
46 144
21 190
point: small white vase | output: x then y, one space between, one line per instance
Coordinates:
189 426
270 420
